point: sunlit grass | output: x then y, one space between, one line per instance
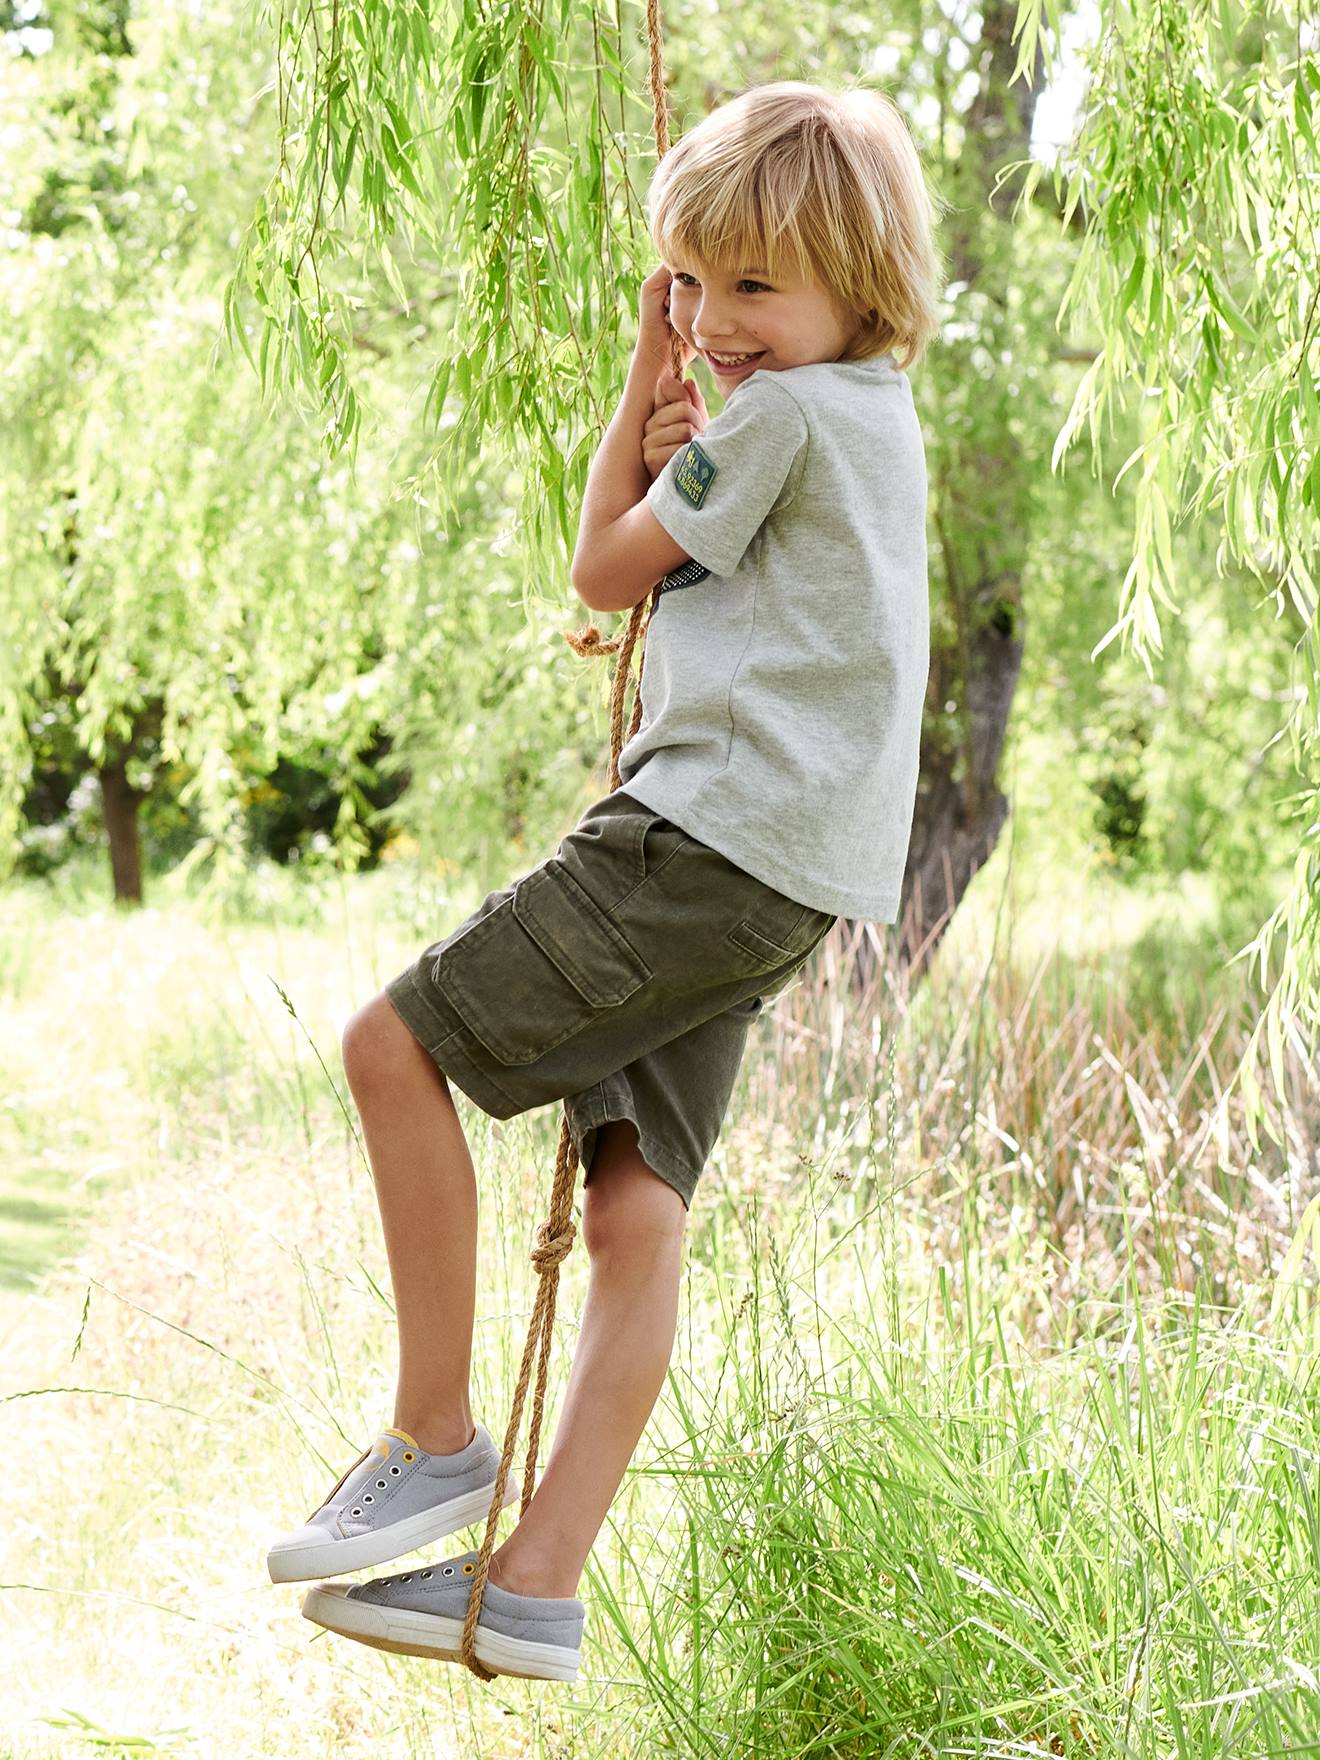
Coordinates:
989 1428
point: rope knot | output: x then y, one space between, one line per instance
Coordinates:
587 643
550 1248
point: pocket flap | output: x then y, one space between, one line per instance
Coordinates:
569 927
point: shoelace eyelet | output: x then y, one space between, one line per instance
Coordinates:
396 1469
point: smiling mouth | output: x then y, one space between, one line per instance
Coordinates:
731 360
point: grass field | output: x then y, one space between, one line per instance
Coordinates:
992 1425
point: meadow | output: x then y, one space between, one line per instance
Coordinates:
991 1426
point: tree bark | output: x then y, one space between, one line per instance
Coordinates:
120 802
959 817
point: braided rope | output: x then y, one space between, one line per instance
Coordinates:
554 1236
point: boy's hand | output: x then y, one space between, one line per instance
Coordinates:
680 414
653 326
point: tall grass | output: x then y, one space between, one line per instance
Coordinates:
990 1428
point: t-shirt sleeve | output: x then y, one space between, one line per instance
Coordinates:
716 491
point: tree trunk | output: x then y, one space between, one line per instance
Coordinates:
959 817
980 510
120 803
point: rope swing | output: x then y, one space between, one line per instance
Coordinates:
554 1236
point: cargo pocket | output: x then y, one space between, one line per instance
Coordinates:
539 968
760 955
761 952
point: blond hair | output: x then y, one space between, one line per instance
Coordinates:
825 183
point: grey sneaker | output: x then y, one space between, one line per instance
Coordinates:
421 1613
393 1499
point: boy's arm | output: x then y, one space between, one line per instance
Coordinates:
622 549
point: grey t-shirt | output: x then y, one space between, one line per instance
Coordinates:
785 665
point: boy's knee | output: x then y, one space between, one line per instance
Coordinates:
372 1040
629 1213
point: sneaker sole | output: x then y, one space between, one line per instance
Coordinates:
300 1564
406 1632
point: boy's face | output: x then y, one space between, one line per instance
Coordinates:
782 323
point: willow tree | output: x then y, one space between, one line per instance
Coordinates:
167 597
190 592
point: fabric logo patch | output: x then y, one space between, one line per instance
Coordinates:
696 472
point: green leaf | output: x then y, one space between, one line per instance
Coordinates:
302 339
1281 407
402 131
1131 285
435 403
1274 1042
344 168
1232 316
311 161
407 177
1310 403
1302 111
392 274
263 354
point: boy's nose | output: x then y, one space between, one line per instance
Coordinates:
708 323
712 333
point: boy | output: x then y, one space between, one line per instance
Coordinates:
768 790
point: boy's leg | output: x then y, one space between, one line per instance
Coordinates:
632 1227
427 1193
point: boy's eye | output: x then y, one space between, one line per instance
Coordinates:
683 277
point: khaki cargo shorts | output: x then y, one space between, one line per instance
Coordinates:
620 977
